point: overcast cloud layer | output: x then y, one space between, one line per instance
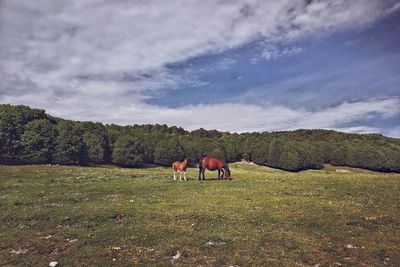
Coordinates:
105 60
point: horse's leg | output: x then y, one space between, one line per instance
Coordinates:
184 175
219 173
200 170
222 175
202 174
180 175
174 175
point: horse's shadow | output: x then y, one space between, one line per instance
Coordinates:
215 179
208 179
211 179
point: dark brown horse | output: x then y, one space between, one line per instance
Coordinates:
213 164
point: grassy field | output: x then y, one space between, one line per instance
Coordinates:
109 216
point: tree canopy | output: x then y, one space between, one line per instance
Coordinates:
30 136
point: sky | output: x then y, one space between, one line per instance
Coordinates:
232 65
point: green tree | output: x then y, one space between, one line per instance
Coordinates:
274 153
167 151
70 147
128 151
293 155
96 142
38 142
190 148
290 160
24 142
217 153
202 133
12 125
260 152
339 154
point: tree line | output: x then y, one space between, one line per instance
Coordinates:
31 136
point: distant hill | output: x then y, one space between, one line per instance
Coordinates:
31 136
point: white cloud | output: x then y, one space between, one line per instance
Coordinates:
394 132
394 8
272 52
225 117
99 60
349 112
358 129
66 39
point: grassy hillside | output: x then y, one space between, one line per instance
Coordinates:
109 216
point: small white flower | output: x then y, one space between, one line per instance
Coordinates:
176 256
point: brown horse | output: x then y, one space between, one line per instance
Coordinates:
213 164
180 167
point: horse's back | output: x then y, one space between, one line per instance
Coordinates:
177 165
212 163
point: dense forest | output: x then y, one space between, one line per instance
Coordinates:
30 136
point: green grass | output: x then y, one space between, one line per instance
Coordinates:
261 217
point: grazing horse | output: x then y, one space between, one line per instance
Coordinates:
180 167
213 164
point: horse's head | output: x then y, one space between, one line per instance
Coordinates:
227 173
185 161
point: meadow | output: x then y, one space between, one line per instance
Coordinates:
111 216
